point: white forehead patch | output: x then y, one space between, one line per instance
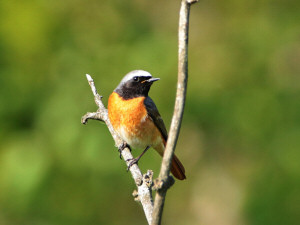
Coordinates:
135 73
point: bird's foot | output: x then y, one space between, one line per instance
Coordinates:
122 147
136 160
132 162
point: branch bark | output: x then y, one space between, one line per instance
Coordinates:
178 110
143 182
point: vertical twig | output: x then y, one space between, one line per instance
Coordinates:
178 110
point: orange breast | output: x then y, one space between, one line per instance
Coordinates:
131 121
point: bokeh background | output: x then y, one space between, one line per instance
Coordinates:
240 137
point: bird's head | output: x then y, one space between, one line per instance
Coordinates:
136 83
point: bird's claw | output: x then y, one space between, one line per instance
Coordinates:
132 162
122 147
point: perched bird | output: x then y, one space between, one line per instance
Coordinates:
135 118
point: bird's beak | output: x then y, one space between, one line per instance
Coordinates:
153 79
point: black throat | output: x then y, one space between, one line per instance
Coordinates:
129 92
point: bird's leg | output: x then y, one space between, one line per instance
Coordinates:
122 147
136 160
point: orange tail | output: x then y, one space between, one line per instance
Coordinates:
177 169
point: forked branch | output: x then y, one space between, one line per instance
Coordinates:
144 182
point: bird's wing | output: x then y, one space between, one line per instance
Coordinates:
155 116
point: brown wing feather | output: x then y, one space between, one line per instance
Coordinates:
155 116
177 168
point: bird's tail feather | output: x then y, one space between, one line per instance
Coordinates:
177 168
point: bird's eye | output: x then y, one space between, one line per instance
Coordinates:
136 79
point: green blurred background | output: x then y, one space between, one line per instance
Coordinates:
240 137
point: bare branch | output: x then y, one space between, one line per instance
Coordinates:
143 182
178 110
92 116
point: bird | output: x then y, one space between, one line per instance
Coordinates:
135 117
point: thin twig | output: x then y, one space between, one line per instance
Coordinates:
178 110
143 183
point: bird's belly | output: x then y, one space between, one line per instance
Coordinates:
140 135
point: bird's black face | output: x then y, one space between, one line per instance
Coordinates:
135 86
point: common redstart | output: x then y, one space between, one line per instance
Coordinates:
135 118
